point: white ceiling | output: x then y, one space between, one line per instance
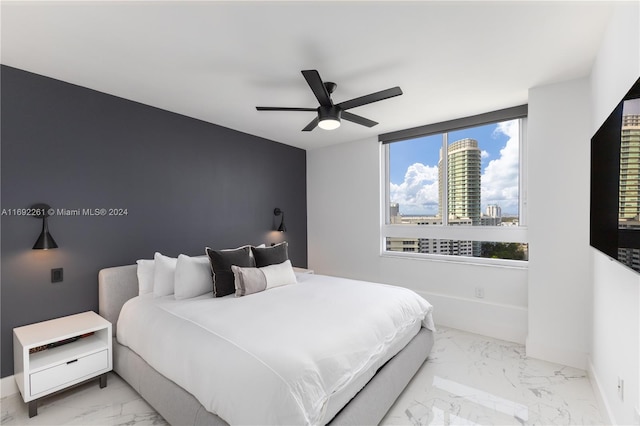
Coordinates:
216 61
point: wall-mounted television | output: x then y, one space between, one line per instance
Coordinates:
615 182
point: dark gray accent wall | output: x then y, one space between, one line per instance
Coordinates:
185 183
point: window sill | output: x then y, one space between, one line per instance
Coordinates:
465 260
505 234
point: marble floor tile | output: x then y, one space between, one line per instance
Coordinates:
87 404
468 380
476 380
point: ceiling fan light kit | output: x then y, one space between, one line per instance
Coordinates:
329 114
329 118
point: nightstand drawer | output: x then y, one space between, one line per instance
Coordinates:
59 375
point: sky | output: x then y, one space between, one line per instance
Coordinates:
631 107
413 169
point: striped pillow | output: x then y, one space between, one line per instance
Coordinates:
253 280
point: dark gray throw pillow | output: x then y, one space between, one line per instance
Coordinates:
273 255
221 262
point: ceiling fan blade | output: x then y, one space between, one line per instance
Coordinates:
317 86
357 119
284 109
373 97
311 125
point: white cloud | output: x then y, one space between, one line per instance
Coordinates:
500 178
484 154
418 194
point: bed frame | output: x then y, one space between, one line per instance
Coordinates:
178 407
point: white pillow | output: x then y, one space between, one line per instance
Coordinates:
279 274
253 258
164 275
146 270
193 277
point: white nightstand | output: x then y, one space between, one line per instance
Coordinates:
53 355
302 270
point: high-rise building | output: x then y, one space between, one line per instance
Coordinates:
492 216
494 210
463 180
394 209
629 204
630 168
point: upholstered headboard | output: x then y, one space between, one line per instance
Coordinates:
116 286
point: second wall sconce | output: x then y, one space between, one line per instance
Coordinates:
45 240
278 212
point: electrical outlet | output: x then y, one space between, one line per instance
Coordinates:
57 275
479 292
620 389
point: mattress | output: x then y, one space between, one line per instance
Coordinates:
290 355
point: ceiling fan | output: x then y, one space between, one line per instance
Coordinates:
329 114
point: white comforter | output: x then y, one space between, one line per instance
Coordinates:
275 357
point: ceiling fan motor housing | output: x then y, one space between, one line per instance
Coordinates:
330 86
329 113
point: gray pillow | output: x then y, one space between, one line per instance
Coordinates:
221 262
273 255
248 280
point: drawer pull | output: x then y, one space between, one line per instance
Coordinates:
72 361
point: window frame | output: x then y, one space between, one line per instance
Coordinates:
504 234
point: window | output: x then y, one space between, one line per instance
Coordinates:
456 188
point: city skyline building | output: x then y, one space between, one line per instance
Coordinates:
629 192
464 171
493 210
629 201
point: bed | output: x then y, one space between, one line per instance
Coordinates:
269 388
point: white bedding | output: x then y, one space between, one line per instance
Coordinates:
290 355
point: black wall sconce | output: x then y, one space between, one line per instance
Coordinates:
278 212
45 240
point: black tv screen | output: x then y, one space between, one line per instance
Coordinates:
615 182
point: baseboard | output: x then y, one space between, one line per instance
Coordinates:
504 322
597 390
8 386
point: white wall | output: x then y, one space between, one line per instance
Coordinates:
343 187
572 301
560 289
616 303
616 336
